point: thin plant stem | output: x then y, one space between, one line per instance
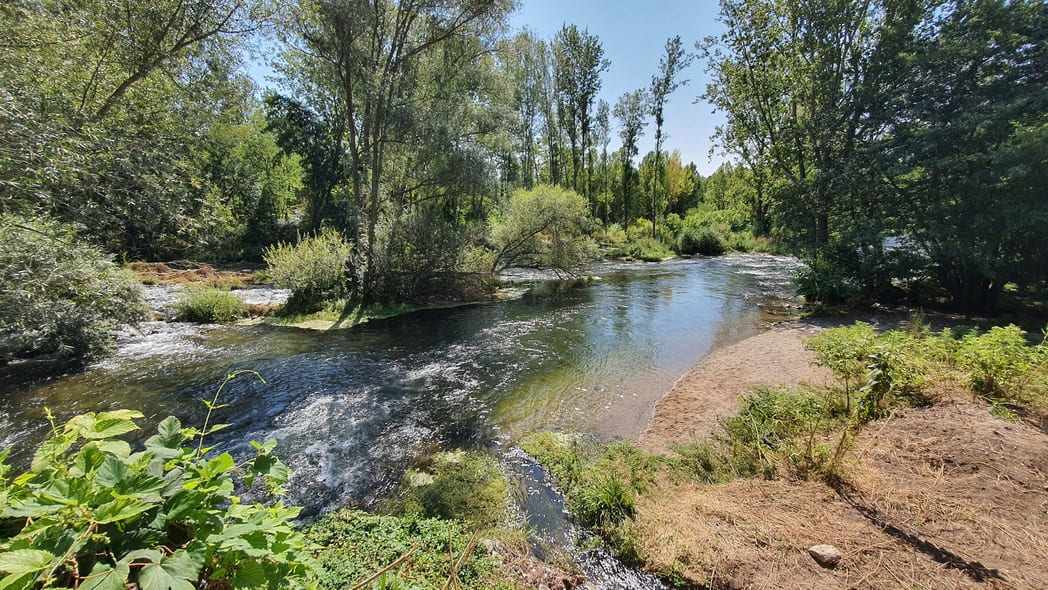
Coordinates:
213 404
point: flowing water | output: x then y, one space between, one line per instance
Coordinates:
351 408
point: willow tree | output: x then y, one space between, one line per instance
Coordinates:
402 73
577 64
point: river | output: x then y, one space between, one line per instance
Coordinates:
351 408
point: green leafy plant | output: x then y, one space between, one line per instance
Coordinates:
92 513
997 360
209 305
469 487
705 241
845 351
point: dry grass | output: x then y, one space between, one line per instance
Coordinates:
190 273
946 496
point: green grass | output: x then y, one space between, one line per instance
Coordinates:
645 249
457 485
354 545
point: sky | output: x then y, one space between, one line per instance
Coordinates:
634 35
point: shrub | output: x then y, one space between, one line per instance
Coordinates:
824 281
615 234
845 351
58 295
997 360
314 268
645 249
544 227
91 513
354 545
209 306
701 241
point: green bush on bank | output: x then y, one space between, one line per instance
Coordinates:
209 306
315 269
58 295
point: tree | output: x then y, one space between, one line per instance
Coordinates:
630 110
965 164
543 228
793 79
578 63
664 83
406 77
602 136
526 67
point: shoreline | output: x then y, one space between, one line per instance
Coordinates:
710 390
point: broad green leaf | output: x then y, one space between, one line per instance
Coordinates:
104 577
112 472
250 574
18 581
141 555
118 448
48 452
23 561
169 435
174 572
120 509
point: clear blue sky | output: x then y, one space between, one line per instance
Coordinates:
634 35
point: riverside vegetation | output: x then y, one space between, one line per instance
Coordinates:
792 435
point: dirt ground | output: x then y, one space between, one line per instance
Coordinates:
943 496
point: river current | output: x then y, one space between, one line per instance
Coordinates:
352 408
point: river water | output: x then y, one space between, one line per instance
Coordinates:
351 408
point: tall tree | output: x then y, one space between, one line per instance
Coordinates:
399 69
602 136
630 110
578 63
663 84
793 80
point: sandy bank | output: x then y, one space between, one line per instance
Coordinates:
712 388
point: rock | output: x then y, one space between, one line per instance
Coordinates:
825 555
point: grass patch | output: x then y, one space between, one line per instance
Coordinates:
457 485
203 305
428 553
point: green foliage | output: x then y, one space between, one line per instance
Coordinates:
93 513
601 482
823 280
58 295
614 234
209 306
645 249
703 241
776 426
998 360
461 486
314 268
355 545
845 351
544 227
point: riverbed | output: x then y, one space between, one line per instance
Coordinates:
352 408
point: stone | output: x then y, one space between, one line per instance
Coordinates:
825 555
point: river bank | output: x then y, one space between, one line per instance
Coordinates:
941 496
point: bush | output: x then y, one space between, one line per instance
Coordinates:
614 234
355 545
544 227
824 281
314 268
996 361
90 513
58 295
209 306
703 241
645 249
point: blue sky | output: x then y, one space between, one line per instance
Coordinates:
634 35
